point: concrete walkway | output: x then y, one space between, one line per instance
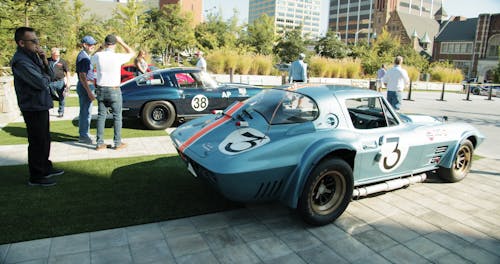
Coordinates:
432 222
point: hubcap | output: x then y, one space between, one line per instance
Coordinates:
463 159
158 114
328 192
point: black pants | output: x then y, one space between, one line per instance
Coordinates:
38 128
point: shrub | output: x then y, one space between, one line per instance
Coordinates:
413 72
263 64
445 74
318 67
244 64
216 62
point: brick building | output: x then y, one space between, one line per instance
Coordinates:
470 44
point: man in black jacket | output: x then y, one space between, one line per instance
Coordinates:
32 76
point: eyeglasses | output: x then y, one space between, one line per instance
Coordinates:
34 41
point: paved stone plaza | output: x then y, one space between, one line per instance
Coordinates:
431 222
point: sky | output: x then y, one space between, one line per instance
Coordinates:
466 8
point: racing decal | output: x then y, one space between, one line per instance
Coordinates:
211 126
226 94
242 91
199 102
242 140
436 133
393 153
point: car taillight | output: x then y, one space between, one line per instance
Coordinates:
216 112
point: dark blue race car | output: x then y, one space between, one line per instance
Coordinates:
161 97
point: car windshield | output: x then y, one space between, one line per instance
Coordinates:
205 79
283 107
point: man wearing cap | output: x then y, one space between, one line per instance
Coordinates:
85 88
108 65
298 70
201 63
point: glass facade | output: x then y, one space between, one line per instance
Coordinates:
289 14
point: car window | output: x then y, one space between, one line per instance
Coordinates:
283 107
185 79
369 113
150 78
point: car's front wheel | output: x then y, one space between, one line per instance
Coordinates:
158 115
327 192
461 163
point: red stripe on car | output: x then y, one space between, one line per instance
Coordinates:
210 127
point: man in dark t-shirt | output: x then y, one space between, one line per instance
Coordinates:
61 71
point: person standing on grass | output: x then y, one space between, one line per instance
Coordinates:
396 79
108 65
61 71
32 75
85 88
298 70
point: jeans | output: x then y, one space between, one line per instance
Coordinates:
109 97
38 129
85 110
394 99
59 87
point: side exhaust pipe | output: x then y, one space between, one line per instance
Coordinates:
388 185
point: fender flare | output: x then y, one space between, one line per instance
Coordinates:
311 157
447 160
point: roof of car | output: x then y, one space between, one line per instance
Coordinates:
318 91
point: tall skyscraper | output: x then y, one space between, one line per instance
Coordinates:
289 14
357 19
192 6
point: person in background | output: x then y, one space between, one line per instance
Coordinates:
61 71
108 65
201 63
140 62
380 75
85 88
32 75
396 79
298 70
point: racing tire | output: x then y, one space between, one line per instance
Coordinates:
158 115
327 192
461 163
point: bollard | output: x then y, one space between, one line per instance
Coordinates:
468 92
442 93
409 92
489 92
231 74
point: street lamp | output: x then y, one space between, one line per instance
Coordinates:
363 30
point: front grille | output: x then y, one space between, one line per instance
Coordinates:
268 189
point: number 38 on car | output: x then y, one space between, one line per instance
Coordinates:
315 147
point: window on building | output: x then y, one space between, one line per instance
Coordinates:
493 45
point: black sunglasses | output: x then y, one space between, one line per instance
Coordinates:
35 41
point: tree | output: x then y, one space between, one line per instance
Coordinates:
260 35
290 45
169 30
128 21
216 33
331 46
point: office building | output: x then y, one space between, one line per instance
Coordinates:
362 19
289 14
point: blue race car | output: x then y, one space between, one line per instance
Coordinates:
314 147
161 97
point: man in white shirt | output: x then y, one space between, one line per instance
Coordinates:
108 65
396 79
201 63
298 70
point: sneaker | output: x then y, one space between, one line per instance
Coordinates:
45 182
54 172
86 140
121 146
101 147
60 115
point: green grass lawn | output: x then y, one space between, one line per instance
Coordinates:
67 130
102 194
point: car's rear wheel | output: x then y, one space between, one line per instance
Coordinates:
158 115
461 163
327 192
